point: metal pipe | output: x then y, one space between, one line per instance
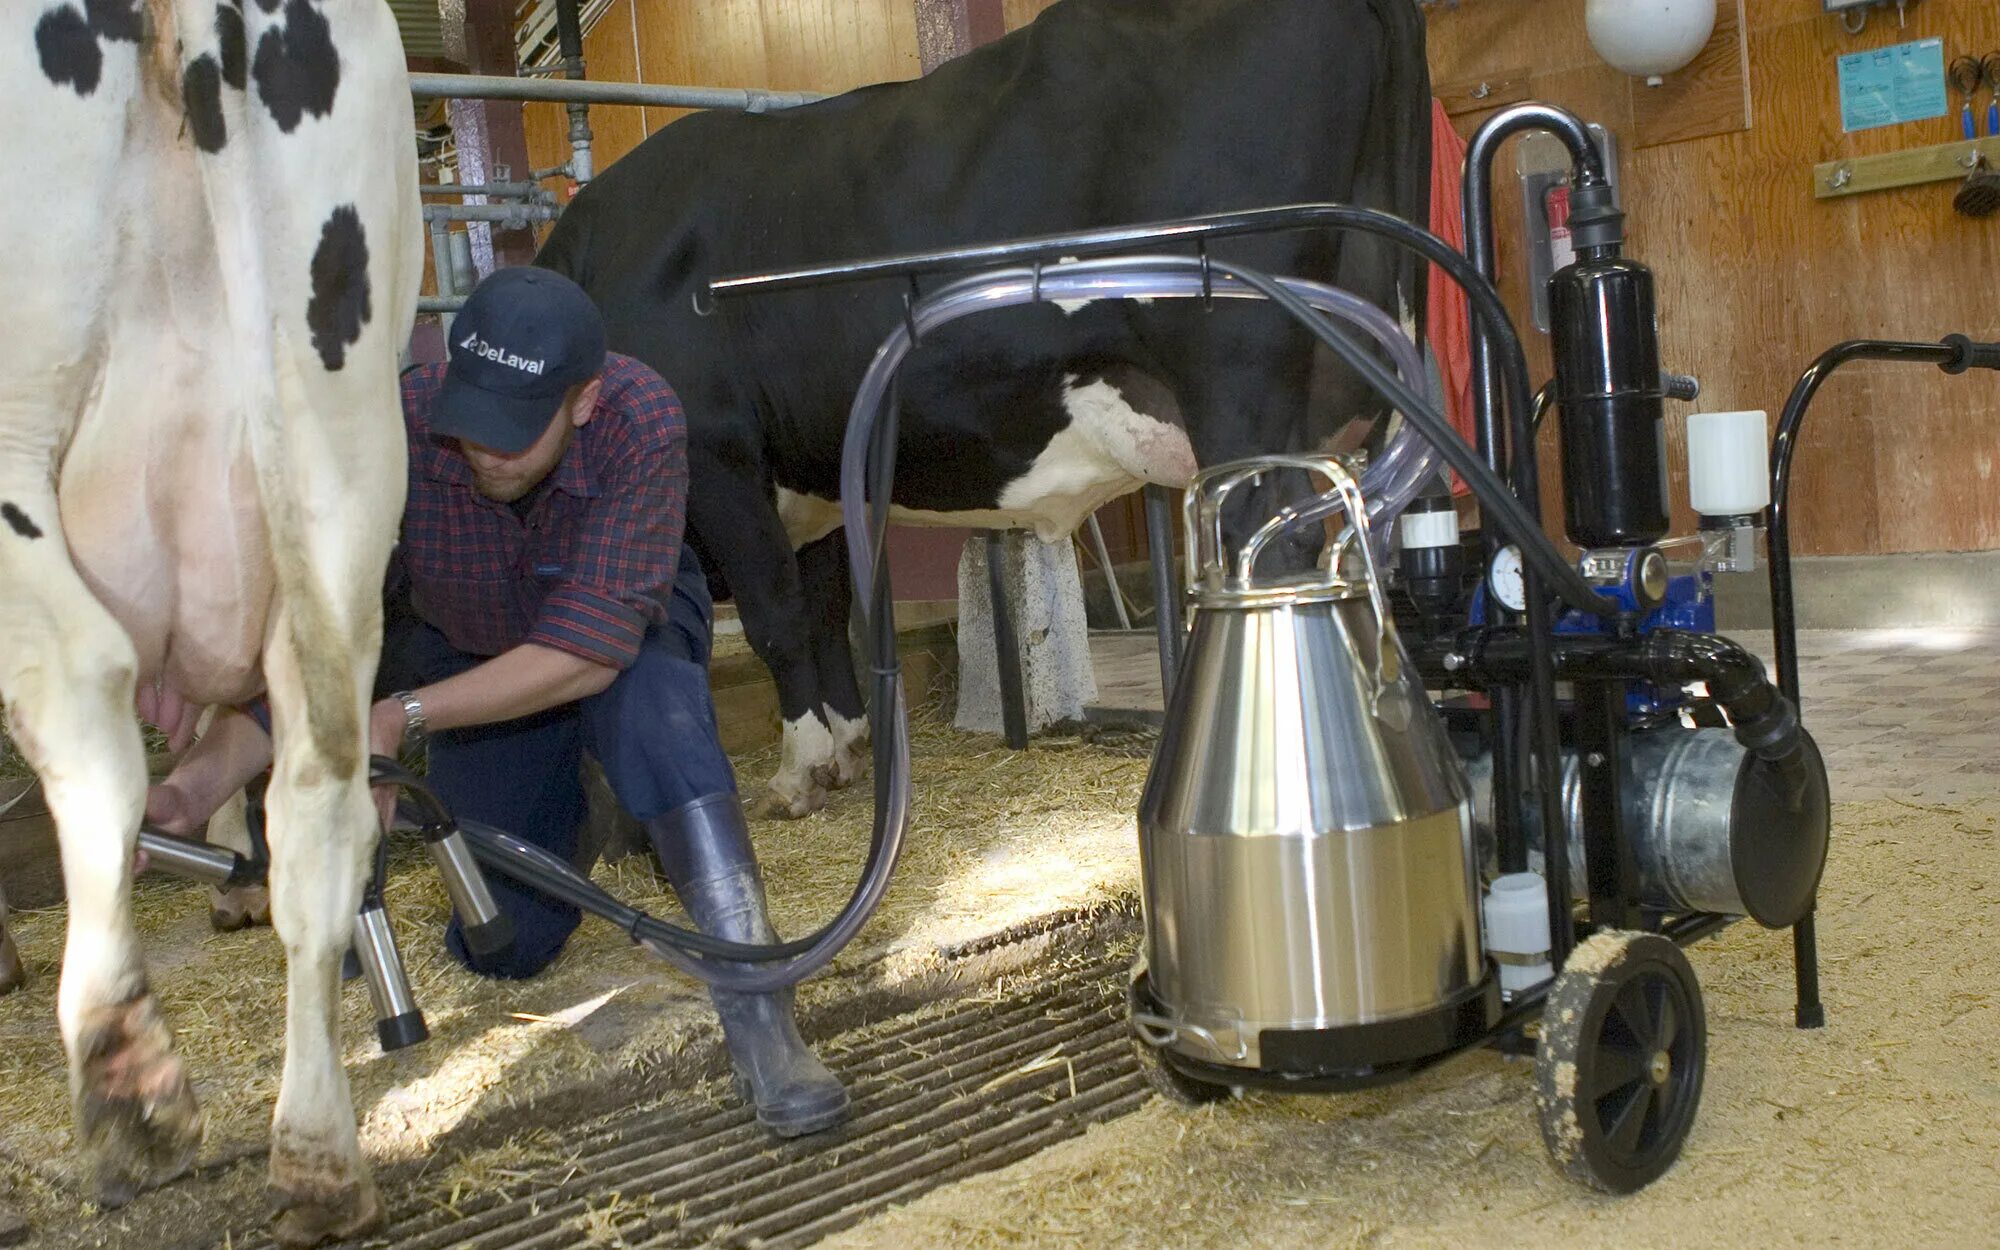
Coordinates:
1784 444
1166 594
569 40
487 930
1487 400
1103 557
514 215
563 91
494 190
1478 214
447 300
1952 355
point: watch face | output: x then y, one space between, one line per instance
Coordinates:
1505 579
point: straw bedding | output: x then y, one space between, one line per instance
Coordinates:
1881 1129
997 837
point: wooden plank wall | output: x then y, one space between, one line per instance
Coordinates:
785 45
1756 277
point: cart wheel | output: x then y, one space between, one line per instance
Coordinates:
1172 1085
1619 1069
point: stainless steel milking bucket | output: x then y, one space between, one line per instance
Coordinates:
1305 832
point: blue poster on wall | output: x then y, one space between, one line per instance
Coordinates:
1890 86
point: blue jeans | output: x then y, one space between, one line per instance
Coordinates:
652 731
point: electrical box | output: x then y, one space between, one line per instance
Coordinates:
1542 164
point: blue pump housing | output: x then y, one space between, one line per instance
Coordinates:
1689 605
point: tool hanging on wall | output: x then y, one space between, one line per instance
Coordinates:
1989 69
1979 194
1965 75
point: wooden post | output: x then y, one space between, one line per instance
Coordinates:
949 28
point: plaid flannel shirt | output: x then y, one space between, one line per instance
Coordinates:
589 567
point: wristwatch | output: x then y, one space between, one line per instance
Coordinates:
413 717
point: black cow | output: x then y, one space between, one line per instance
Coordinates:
1100 112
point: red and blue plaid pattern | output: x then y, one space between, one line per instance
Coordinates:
591 564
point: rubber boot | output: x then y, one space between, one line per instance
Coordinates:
704 848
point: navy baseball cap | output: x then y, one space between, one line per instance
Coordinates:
525 336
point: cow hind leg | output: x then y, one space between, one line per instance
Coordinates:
11 976
66 674
320 652
829 593
321 831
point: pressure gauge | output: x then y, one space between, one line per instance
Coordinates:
1504 577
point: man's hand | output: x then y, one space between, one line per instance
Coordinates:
386 721
170 809
232 752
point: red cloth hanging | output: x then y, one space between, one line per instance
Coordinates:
1449 319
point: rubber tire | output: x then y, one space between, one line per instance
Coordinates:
1601 1021
1171 1084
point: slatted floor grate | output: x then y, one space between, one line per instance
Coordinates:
936 1099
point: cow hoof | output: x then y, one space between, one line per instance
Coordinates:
778 805
309 1213
136 1115
12 975
850 763
240 908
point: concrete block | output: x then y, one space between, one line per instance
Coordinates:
1045 596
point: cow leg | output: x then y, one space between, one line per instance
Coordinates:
745 541
321 831
320 653
11 976
66 673
829 590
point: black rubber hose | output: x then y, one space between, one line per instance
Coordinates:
532 866
1766 722
1505 508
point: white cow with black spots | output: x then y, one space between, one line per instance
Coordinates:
201 471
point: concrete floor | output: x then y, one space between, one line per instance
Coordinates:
1910 714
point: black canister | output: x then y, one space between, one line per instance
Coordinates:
1607 357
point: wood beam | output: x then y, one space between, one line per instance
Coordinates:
949 28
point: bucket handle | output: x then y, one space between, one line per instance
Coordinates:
1204 508
1160 1032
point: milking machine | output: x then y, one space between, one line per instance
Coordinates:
1364 853
1350 843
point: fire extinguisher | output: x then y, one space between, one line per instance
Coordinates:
1562 252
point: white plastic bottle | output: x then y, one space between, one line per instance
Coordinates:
1729 463
1516 912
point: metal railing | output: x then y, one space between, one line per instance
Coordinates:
592 91
527 202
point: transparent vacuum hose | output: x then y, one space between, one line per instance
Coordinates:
1392 479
